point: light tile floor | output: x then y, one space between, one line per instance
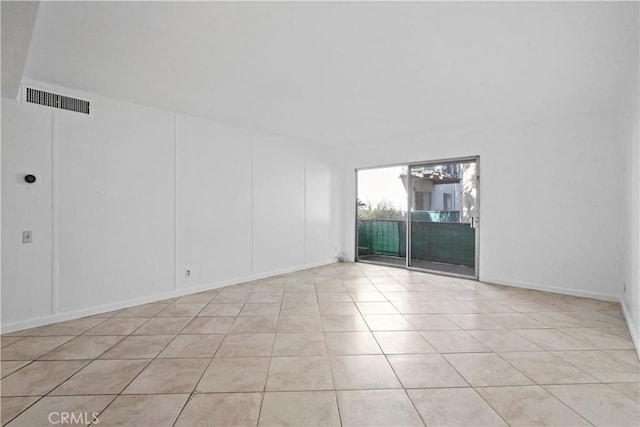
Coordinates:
345 344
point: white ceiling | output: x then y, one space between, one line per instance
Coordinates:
341 73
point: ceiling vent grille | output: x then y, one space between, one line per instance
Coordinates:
40 97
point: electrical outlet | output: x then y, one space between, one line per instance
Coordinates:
187 273
27 237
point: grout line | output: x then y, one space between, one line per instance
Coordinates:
328 279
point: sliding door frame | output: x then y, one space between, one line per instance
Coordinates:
468 159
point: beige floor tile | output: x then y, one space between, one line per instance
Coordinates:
403 342
425 371
334 297
598 319
340 323
368 297
199 298
138 347
601 339
341 308
299 373
454 342
362 372
12 406
163 326
299 344
308 296
352 343
261 309
71 327
168 376
300 309
452 307
414 307
181 310
390 286
146 310
308 408
599 404
403 296
504 340
221 409
245 288
117 326
31 348
5 340
480 306
189 346
83 348
102 377
300 324
387 322
209 325
515 321
631 390
246 345
604 367
48 410
547 368
265 297
234 374
221 310
376 308
377 408
530 406
428 322
486 369
453 407
9 367
143 410
552 339
556 320
254 324
230 297
39 378
627 356
473 321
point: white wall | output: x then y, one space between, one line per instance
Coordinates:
213 202
279 203
26 149
115 184
131 196
549 200
630 135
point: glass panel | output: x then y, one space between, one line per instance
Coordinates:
443 217
382 215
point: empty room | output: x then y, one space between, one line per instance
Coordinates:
320 213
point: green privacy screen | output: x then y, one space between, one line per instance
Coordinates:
451 243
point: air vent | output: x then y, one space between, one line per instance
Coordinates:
40 97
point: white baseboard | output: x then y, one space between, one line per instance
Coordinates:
105 308
552 289
632 326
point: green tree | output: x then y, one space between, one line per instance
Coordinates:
384 209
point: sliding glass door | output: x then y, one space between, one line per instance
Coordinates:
421 216
382 216
442 233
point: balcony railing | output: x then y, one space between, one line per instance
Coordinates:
443 242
